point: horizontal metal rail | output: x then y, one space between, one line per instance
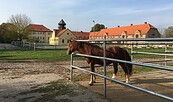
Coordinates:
151 53
158 61
169 68
125 84
130 39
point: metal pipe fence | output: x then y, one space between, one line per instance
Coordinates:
150 65
162 45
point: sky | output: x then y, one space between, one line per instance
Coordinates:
79 14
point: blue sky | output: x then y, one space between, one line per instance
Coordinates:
79 14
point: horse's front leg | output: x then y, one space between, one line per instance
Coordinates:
115 69
92 77
127 75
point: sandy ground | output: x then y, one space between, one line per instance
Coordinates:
23 76
158 81
19 77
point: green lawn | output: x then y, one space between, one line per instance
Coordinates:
41 55
59 55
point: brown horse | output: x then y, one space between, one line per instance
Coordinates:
111 52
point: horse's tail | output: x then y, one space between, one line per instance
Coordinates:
128 58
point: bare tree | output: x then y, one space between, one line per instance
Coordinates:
21 21
169 32
161 30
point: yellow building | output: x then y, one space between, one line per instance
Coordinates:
62 36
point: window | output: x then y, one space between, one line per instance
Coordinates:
123 36
62 40
137 36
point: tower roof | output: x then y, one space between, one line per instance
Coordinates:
62 22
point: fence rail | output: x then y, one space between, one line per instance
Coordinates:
169 68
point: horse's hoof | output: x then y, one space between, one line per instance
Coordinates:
90 84
110 81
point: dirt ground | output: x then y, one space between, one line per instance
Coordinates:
17 81
23 76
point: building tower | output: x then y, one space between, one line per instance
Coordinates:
61 25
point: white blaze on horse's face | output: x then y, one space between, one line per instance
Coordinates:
70 48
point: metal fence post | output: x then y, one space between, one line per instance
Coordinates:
104 61
34 46
165 54
71 68
132 51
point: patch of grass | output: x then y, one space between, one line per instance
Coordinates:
42 55
153 50
83 76
25 99
39 55
51 91
60 87
46 98
59 55
142 69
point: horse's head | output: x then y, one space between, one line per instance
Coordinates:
72 46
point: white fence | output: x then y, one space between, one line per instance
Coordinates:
35 46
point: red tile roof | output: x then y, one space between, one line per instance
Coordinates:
81 35
59 32
37 27
77 34
143 28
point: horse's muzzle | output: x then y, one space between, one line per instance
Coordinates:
69 53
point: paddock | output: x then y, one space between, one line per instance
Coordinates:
159 81
104 76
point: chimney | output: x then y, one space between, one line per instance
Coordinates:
131 24
145 22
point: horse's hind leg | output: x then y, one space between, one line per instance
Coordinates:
115 70
92 77
127 75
